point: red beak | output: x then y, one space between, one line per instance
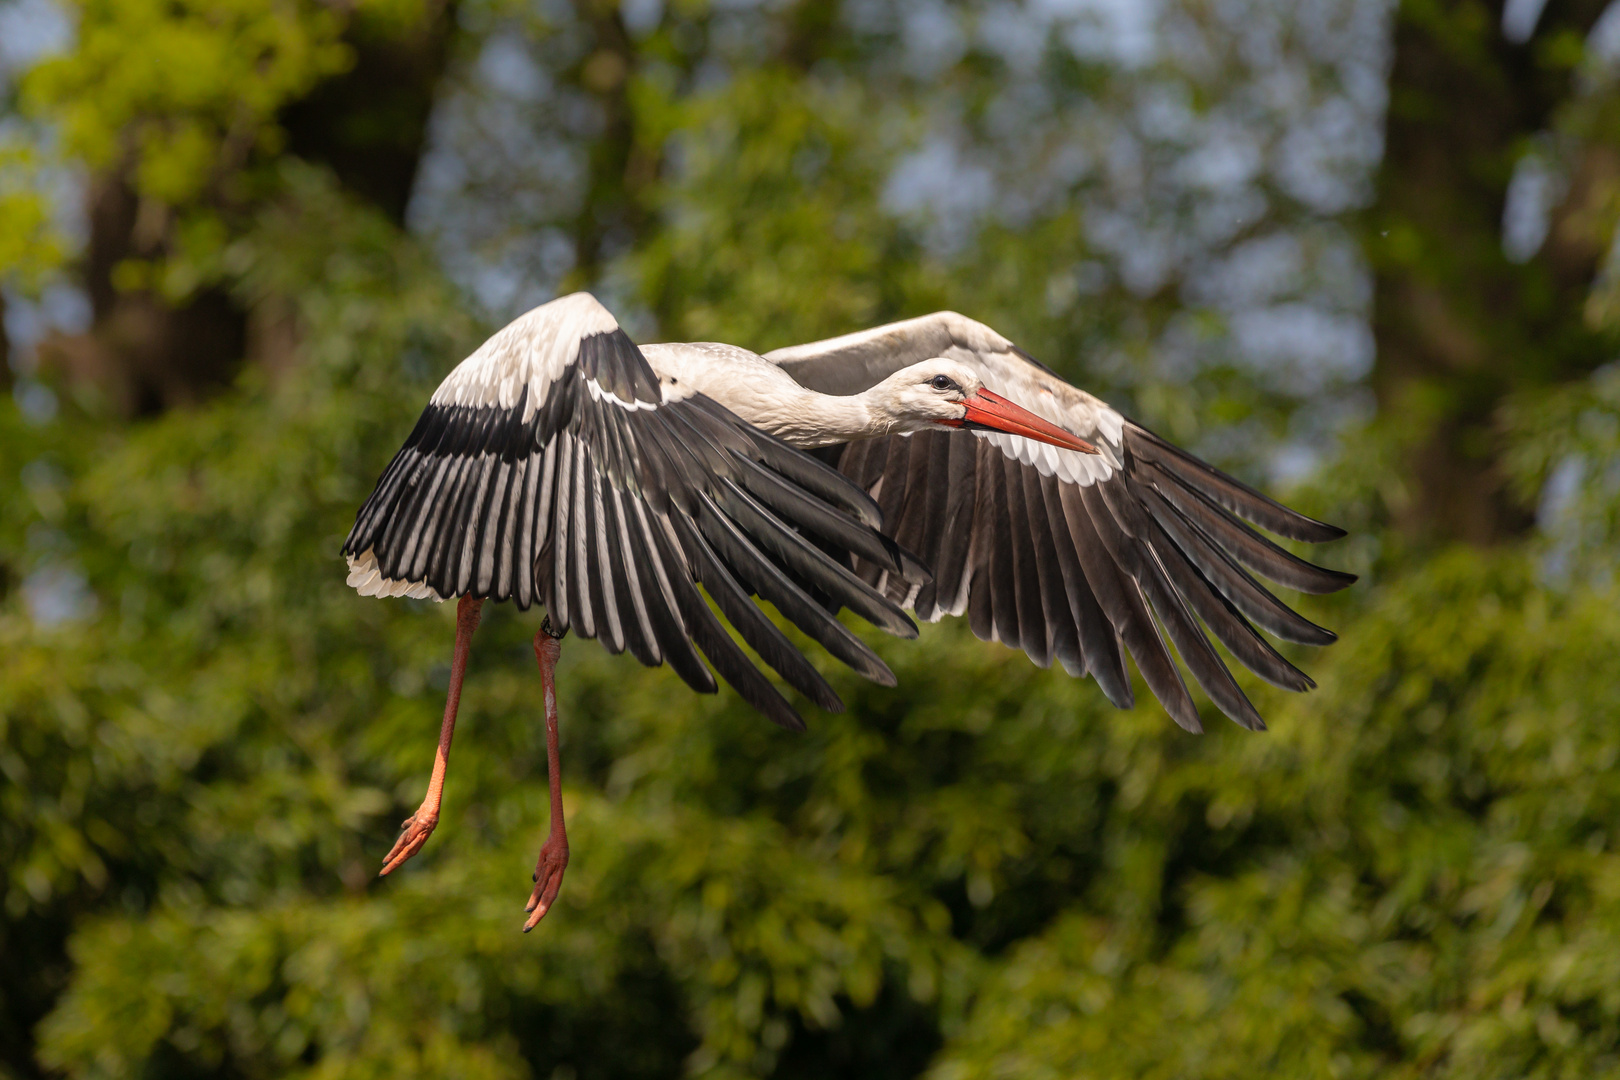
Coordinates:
991 412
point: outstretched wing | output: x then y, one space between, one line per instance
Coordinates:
1073 556
552 466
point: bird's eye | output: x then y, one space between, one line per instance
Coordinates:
943 382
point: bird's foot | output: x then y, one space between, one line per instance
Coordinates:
417 828
548 875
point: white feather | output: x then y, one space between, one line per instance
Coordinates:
367 580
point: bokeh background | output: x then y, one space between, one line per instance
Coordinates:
1359 252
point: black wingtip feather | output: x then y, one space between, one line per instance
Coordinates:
1222 576
1099 645
1116 509
1121 599
804 509
757 630
817 477
1233 494
1226 533
773 584
809 562
728 659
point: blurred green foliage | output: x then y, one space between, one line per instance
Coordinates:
987 872
186 97
29 245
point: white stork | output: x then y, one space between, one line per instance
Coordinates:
559 464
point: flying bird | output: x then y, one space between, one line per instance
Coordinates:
928 465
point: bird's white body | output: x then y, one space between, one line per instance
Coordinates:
759 392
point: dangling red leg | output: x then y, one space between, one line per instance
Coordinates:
419 826
548 871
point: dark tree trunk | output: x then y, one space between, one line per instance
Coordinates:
142 355
369 125
1457 324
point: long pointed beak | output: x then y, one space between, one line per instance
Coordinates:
992 412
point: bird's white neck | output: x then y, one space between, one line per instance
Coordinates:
810 419
767 397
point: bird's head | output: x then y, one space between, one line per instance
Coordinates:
946 392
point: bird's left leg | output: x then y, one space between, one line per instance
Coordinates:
419 826
548 871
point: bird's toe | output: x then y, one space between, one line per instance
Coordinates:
548 876
415 832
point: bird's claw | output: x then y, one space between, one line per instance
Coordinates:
417 828
548 875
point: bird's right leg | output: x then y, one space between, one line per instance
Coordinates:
548 870
419 826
